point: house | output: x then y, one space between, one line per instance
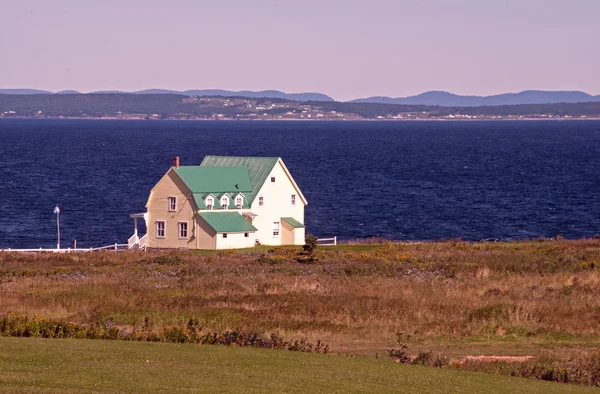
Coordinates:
224 203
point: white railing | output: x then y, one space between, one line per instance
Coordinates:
115 247
327 241
143 241
133 241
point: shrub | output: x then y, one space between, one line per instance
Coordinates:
19 326
423 358
310 244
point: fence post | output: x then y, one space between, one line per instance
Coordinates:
115 246
335 240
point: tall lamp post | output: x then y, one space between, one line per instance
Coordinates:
57 212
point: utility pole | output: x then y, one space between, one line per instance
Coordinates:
57 212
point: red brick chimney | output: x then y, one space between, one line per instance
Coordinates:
176 162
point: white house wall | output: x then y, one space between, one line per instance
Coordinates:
277 204
299 236
235 241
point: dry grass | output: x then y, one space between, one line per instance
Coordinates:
445 294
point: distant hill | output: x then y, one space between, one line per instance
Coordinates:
243 93
24 91
261 94
205 92
433 98
446 99
180 106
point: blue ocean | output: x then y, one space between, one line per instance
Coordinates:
399 180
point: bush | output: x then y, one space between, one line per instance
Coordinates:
310 244
19 326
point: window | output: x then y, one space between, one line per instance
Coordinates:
183 230
160 229
172 204
293 199
224 235
209 203
272 179
238 202
225 203
261 201
276 229
246 235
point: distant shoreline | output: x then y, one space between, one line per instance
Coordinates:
176 107
528 119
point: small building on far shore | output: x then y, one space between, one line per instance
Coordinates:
224 203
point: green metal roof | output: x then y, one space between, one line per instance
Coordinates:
293 222
258 169
216 180
199 201
227 222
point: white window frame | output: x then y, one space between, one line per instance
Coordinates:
225 203
272 179
239 199
293 200
246 235
172 204
180 230
276 229
224 235
210 203
261 201
164 229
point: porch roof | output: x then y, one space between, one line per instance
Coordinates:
227 222
293 222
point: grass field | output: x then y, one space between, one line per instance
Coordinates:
91 366
535 298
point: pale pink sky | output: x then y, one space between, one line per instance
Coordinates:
345 48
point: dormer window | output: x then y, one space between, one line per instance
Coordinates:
210 202
225 203
172 204
239 201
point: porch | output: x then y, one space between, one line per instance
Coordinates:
135 241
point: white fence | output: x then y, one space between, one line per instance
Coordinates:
114 247
327 241
132 242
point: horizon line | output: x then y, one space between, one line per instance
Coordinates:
137 91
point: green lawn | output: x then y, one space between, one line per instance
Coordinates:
93 366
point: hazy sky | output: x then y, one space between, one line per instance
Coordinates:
344 48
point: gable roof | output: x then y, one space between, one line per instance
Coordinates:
227 222
258 169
